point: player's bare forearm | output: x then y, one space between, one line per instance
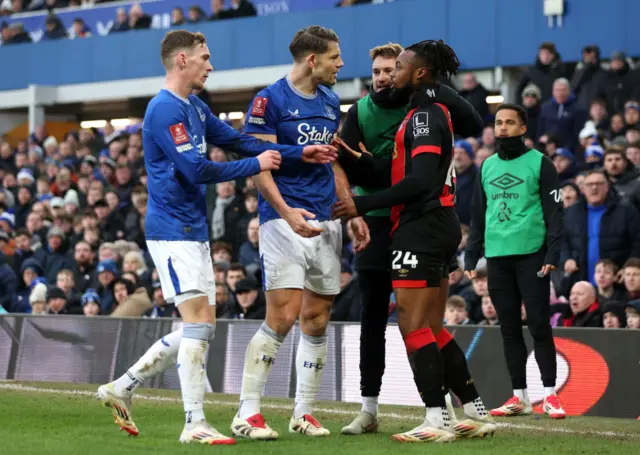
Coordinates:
343 190
267 187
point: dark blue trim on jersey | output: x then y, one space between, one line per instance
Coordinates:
174 277
264 277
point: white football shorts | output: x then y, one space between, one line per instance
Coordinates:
183 267
293 262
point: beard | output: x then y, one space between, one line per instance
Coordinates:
402 95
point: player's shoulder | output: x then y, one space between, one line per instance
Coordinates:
329 96
274 91
163 106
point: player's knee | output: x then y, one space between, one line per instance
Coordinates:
314 321
281 321
511 331
541 330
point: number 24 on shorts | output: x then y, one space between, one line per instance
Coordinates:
408 260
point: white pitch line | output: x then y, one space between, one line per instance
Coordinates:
389 415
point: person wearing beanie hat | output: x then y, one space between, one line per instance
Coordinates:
617 85
38 298
7 222
25 177
532 102
565 163
90 303
593 154
56 301
613 315
547 68
466 174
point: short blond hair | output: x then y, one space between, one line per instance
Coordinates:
455 301
389 50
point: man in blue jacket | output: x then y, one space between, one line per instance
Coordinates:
562 115
598 226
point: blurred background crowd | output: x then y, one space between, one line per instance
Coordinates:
72 208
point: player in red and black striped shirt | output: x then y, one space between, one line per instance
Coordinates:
426 234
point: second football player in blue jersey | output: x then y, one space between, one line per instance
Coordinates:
300 246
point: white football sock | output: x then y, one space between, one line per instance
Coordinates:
158 358
258 360
437 417
522 394
475 408
310 362
549 391
370 405
192 369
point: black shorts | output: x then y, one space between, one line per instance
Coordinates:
422 250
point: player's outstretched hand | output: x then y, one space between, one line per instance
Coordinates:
319 154
344 209
296 219
361 234
269 160
339 142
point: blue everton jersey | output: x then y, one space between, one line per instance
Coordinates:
296 118
175 134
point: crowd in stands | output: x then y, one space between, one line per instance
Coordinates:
132 19
72 212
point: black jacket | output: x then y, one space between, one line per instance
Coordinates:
586 83
619 234
542 76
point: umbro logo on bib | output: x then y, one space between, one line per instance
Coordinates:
506 181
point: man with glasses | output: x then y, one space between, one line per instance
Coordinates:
517 215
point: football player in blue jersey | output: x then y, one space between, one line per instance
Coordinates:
300 246
177 128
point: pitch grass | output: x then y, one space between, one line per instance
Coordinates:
46 418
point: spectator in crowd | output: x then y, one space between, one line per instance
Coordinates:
107 272
457 281
632 313
633 154
570 194
613 316
250 209
177 17
131 299
121 24
482 154
631 278
547 68
138 20
347 305
606 278
616 89
80 29
616 128
632 114
455 312
54 28
224 301
249 255
598 227
228 209
16 34
196 14
236 273
56 301
8 284
38 299
594 155
466 174
584 310
473 295
239 8
250 304
221 252
163 309
565 163
90 303
623 176
531 97
489 314
64 281
599 117
488 138
562 115
589 76
475 94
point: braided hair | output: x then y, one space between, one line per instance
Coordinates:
438 57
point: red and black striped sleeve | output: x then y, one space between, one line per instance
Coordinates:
425 142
